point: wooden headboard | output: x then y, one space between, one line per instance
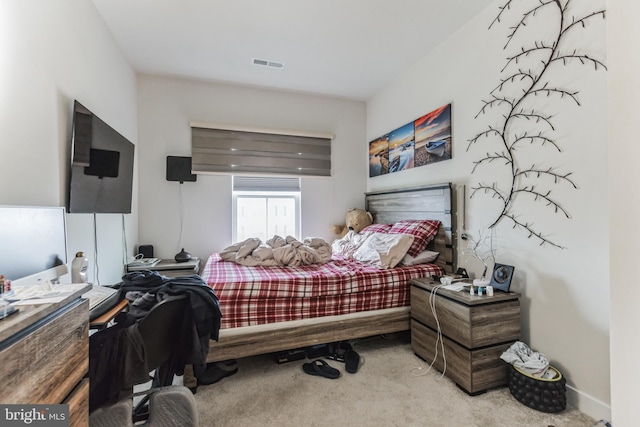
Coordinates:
429 202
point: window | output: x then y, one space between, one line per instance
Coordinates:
265 206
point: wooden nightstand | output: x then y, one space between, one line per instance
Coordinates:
171 268
476 330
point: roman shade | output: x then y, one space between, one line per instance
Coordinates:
248 151
266 183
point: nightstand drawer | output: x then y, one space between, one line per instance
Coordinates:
470 326
170 268
474 371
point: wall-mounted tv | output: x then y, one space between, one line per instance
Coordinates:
101 170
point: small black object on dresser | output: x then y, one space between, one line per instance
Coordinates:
146 251
183 256
502 276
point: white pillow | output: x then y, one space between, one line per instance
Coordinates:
384 250
423 257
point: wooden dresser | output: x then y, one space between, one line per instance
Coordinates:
45 356
475 329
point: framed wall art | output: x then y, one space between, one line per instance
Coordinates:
401 148
379 156
422 142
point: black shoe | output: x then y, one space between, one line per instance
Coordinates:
217 371
337 350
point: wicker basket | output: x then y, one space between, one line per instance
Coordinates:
538 393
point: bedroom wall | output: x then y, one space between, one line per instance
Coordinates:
168 105
50 54
623 105
565 306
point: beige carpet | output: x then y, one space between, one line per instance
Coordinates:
391 388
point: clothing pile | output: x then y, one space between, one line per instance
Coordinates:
528 361
146 288
117 354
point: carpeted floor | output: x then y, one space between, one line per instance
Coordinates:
393 387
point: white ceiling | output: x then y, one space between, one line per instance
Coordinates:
345 48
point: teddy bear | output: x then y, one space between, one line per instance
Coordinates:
356 220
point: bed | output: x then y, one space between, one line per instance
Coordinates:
307 314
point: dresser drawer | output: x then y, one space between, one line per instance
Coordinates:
45 363
78 402
470 326
473 370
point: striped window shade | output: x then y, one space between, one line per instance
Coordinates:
224 150
266 183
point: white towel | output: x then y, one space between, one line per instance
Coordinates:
531 362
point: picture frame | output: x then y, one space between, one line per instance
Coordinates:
421 142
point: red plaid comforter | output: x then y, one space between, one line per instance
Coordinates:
259 295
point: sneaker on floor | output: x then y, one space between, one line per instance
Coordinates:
217 371
337 350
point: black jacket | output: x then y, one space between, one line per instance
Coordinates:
116 363
204 311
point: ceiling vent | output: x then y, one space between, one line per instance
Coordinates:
265 63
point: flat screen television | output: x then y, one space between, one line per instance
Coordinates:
101 170
33 240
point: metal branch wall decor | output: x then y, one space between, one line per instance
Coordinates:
528 76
